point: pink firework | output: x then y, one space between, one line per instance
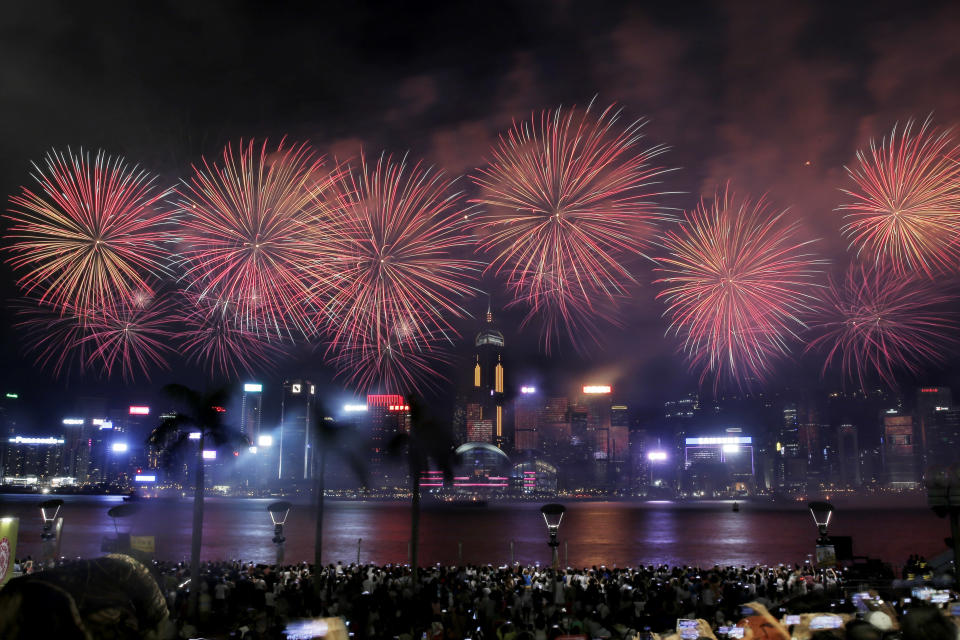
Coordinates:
876 323
569 199
210 337
737 278
90 236
132 336
57 337
395 366
249 234
905 211
395 247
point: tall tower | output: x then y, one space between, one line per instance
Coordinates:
251 408
488 376
296 415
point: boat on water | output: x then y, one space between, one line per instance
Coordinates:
736 507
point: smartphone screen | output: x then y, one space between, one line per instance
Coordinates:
955 610
826 622
688 628
789 620
746 611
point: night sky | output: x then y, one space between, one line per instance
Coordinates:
773 97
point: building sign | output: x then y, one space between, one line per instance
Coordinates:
139 410
597 388
252 387
144 544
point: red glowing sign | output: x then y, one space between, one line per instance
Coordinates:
139 411
930 390
219 409
384 400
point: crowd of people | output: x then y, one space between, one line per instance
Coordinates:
251 601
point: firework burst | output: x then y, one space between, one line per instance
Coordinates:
57 337
211 338
905 210
877 322
737 279
133 336
91 236
248 234
397 275
394 365
569 198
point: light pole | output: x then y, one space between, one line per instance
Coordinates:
49 510
278 516
552 515
822 512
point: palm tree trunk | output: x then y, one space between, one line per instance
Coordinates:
318 488
415 527
197 540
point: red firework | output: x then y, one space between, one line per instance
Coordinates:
737 278
248 236
55 336
211 338
398 366
906 204
397 278
570 197
133 336
877 322
91 236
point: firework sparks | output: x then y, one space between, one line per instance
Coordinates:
55 336
393 365
133 336
876 322
397 278
211 338
569 197
247 233
91 237
906 204
736 280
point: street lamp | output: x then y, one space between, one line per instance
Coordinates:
821 512
552 515
278 516
49 510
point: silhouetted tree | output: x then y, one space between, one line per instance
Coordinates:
428 442
198 412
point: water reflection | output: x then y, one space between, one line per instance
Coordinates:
592 533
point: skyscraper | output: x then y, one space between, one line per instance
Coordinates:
488 376
296 416
930 400
251 409
849 454
388 414
899 451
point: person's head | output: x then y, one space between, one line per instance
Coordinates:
863 630
927 623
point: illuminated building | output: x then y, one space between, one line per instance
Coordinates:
527 412
930 401
31 456
482 469
387 414
849 454
488 378
943 437
721 463
899 451
251 410
296 421
791 466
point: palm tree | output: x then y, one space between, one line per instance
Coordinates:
426 442
328 438
198 412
